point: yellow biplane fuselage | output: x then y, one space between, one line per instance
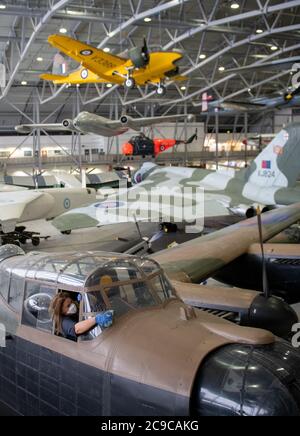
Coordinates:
98 66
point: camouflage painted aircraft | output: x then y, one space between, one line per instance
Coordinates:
174 348
270 181
86 122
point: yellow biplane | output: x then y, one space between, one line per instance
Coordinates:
140 67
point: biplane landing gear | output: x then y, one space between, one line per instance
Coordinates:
161 90
130 83
21 236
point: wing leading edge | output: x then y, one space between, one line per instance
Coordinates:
202 257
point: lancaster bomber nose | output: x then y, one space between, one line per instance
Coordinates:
242 380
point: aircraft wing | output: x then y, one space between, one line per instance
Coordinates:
138 123
28 128
200 258
143 203
95 60
12 207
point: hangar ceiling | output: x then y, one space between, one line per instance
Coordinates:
214 36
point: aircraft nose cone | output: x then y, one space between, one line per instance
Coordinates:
240 380
81 120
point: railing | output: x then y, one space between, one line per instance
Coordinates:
112 159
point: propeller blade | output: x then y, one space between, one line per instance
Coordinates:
145 50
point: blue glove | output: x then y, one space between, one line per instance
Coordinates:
105 319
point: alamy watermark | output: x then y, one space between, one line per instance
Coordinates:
296 337
2 336
296 76
155 204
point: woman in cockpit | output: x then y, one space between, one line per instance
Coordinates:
64 311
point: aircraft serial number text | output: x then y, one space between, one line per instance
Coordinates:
267 173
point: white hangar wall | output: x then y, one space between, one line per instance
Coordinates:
22 146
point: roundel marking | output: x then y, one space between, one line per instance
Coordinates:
67 203
86 52
84 74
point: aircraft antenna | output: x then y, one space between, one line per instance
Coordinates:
266 288
138 227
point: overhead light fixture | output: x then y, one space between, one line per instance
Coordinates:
23 83
109 85
202 56
183 88
106 49
259 56
259 31
274 47
63 30
249 89
39 59
72 12
2 6
235 5
221 69
147 19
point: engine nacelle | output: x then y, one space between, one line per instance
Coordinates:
124 119
69 125
246 211
139 57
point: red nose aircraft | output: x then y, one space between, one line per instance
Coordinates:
141 145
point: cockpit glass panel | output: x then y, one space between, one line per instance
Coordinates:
4 283
162 287
93 302
82 266
148 266
133 296
36 306
119 271
92 334
16 291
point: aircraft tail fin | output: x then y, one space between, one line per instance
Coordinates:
278 165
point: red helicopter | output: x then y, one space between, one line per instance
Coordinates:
141 145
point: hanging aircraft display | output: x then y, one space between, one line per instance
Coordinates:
288 98
86 122
141 145
140 67
270 181
199 360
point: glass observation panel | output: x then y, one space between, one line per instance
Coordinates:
124 285
102 281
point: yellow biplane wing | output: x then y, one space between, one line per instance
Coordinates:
93 59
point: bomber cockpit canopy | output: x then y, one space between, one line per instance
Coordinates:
101 280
